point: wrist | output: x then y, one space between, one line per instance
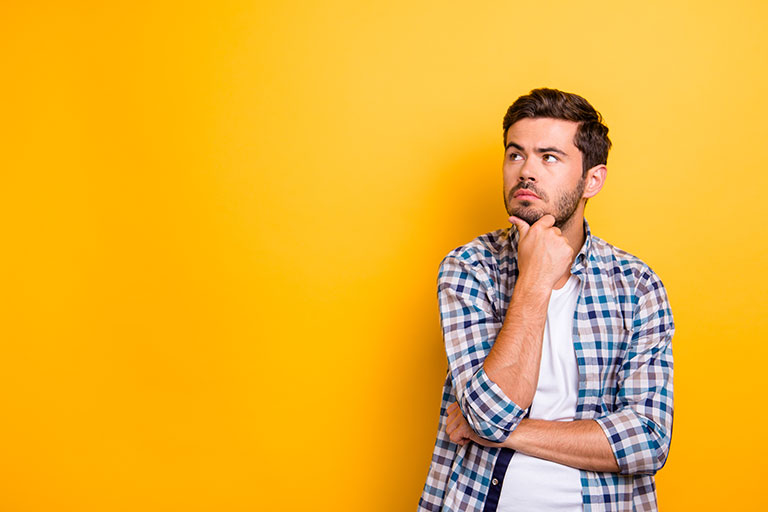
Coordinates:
513 441
532 287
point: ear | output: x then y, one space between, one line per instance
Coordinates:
594 180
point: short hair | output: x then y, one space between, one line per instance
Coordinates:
591 135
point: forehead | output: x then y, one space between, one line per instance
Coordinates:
543 132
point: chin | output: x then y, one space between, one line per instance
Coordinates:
529 215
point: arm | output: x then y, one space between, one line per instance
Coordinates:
544 257
580 444
640 427
470 323
632 439
514 360
494 368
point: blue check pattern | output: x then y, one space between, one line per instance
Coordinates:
622 337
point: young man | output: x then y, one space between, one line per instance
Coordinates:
558 394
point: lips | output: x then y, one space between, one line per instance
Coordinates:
525 194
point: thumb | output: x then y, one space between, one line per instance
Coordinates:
520 224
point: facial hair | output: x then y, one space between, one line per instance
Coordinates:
565 207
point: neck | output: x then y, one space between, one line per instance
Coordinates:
573 231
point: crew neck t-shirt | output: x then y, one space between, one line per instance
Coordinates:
531 483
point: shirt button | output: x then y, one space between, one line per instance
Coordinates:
495 481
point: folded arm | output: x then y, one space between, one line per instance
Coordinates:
470 323
580 444
635 437
494 364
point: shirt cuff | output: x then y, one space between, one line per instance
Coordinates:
638 444
488 410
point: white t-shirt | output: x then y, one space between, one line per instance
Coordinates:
537 484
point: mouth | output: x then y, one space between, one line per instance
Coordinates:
525 195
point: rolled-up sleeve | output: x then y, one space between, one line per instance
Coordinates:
470 325
640 428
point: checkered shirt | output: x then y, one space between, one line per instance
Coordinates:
622 337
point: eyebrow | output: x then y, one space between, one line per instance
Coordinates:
538 150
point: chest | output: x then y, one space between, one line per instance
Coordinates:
601 335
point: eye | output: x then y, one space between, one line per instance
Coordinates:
550 158
515 156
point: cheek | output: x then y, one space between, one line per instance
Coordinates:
506 174
507 185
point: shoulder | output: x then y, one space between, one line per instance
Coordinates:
625 270
472 272
481 253
480 263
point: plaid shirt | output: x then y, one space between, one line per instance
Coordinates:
622 334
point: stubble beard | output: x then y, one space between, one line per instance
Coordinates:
566 205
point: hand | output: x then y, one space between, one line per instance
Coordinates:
543 253
459 430
456 426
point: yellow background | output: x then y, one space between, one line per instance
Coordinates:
222 222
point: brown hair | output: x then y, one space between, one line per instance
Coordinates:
591 135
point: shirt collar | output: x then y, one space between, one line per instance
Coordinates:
580 261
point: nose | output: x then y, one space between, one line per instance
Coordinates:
527 171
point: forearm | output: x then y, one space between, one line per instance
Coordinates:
580 443
513 361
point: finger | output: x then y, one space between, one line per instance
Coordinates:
520 224
451 424
546 221
458 437
464 436
453 433
465 431
454 411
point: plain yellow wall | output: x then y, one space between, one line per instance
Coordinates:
222 222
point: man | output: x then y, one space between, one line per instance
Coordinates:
558 394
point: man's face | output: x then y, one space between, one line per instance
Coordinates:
543 171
